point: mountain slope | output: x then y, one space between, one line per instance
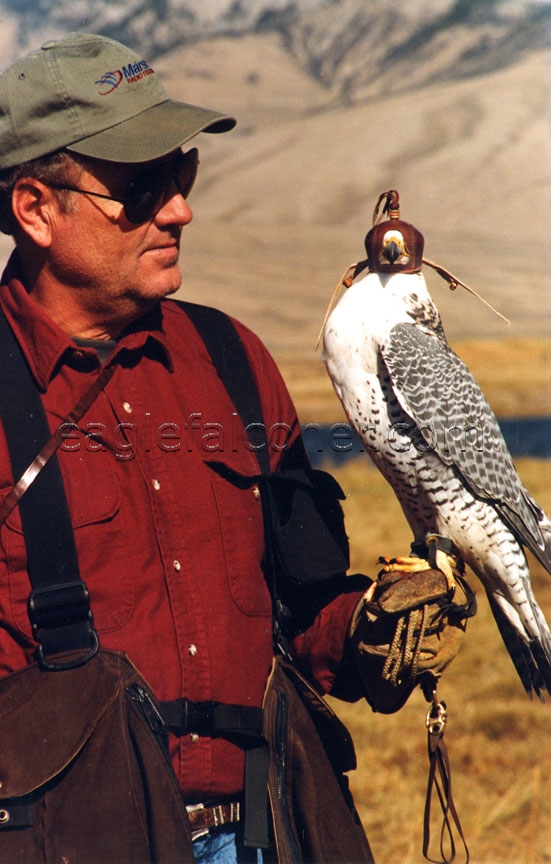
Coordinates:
365 49
354 47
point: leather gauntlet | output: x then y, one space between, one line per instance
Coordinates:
407 624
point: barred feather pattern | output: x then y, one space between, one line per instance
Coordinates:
428 428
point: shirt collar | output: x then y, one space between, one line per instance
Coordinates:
46 347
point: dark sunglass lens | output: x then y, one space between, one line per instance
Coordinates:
144 194
186 171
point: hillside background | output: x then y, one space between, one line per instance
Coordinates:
448 101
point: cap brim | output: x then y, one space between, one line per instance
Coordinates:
153 133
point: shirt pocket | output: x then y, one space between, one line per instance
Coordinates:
242 529
102 549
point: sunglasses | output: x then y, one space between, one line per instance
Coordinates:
147 191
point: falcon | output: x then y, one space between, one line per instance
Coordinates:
428 428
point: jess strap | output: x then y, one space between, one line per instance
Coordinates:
441 782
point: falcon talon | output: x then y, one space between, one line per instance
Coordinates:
443 564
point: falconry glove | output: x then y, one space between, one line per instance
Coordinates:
409 623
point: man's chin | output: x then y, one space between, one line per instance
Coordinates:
168 284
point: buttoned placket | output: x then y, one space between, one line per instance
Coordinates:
157 469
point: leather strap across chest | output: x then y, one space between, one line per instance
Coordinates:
59 605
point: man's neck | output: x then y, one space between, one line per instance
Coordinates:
104 347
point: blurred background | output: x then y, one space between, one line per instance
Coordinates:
448 101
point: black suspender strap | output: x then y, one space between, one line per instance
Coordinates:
232 364
230 359
59 606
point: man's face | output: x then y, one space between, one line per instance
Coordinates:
115 268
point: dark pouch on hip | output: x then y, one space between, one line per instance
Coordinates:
83 771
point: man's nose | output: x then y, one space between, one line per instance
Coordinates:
175 210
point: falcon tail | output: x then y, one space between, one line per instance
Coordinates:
531 659
533 533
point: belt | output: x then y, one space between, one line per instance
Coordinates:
202 818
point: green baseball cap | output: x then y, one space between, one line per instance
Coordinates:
95 96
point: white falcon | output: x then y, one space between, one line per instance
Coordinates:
427 426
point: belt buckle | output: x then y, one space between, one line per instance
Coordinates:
199 832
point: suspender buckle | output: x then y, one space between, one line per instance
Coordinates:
62 622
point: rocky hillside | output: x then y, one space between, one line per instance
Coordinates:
356 48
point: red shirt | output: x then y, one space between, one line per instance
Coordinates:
170 550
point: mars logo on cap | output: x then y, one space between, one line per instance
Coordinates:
109 82
131 73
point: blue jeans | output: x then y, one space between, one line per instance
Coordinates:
222 846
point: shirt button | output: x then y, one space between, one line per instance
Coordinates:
194 737
156 484
256 492
192 650
177 566
127 407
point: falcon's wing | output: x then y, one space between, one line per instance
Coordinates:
436 389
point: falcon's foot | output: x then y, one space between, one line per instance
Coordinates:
445 563
405 563
432 556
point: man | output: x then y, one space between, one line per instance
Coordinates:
159 475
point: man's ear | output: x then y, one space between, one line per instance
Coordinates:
35 207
